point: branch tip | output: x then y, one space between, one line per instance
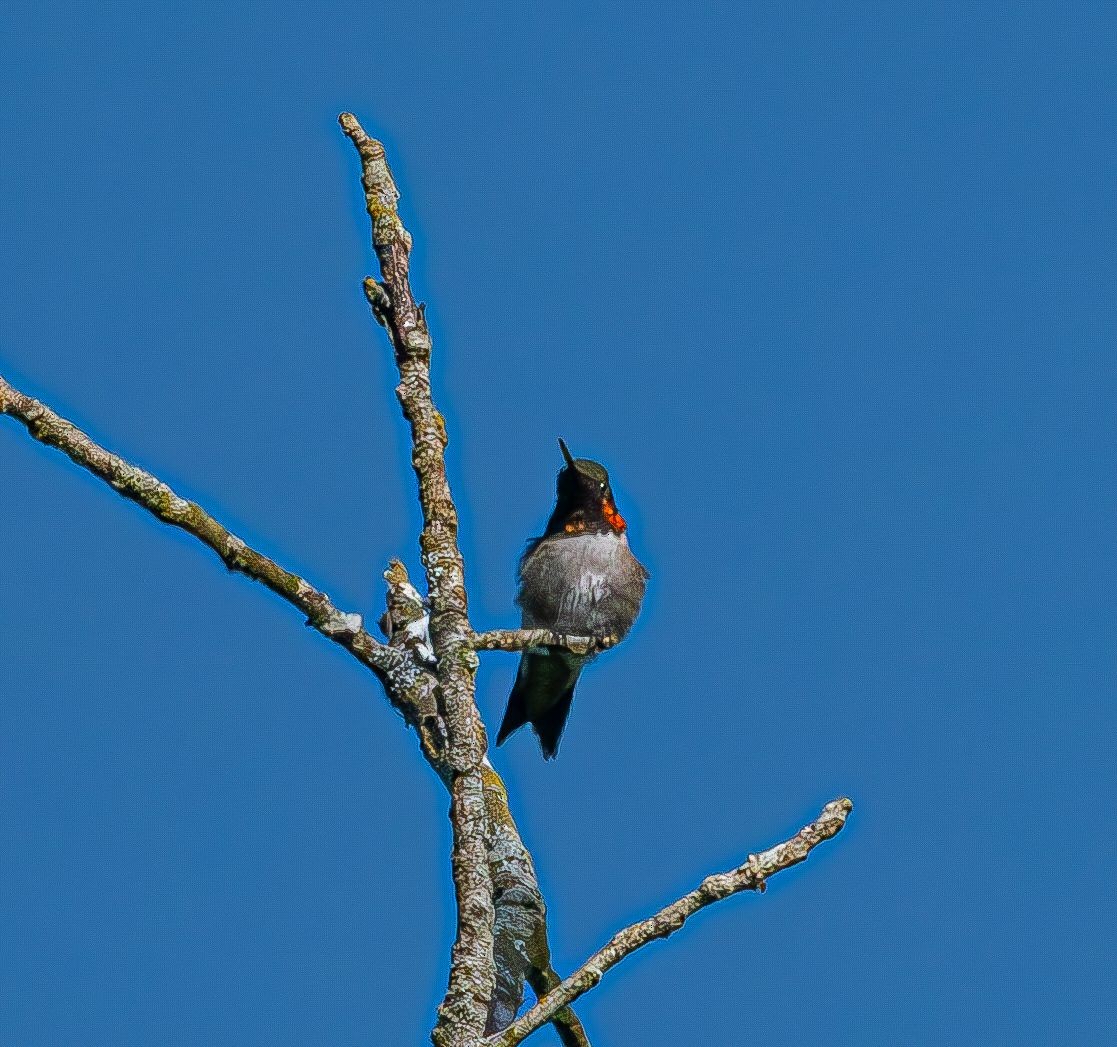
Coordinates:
750 876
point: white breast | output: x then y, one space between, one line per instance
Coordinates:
590 557
581 583
588 561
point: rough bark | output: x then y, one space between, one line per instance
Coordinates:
521 948
526 639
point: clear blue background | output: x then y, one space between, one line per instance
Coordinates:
829 291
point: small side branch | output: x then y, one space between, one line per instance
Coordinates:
751 876
526 639
158 499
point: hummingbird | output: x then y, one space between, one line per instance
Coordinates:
578 579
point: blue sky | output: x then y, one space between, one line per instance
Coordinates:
829 291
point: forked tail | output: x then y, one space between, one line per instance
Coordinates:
542 696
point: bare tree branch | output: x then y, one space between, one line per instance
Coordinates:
156 497
486 974
526 639
751 876
464 1011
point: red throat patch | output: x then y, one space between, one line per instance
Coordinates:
613 518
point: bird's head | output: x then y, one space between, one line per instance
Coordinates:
585 498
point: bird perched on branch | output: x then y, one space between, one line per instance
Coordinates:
578 579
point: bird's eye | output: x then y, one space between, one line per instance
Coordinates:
602 486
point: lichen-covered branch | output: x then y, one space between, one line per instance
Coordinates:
464 1011
525 639
392 666
751 876
521 948
518 904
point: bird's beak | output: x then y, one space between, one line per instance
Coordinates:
566 453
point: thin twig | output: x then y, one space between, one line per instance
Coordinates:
527 639
751 876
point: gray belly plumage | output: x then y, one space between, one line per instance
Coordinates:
582 585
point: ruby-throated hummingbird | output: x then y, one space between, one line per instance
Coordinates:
578 579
